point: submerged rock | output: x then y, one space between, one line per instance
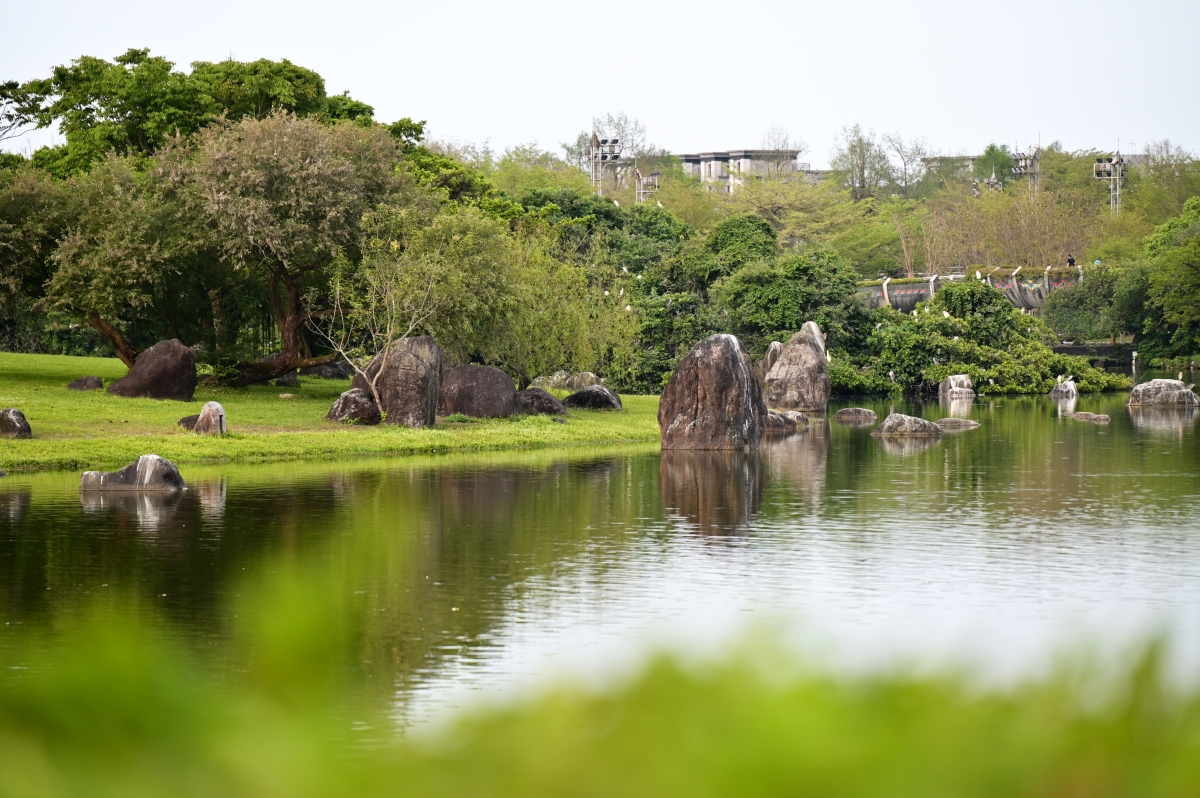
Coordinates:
539 402
166 370
85 384
1163 393
799 380
148 472
956 424
211 420
410 382
478 392
855 417
594 397
713 400
956 386
355 406
899 424
13 424
1095 418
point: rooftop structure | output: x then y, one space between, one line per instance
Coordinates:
721 171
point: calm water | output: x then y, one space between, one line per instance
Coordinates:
465 577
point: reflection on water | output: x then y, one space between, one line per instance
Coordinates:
957 408
712 491
1066 406
1163 419
483 572
902 446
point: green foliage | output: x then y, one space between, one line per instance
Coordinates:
741 240
967 328
257 89
1175 230
1085 309
995 160
1175 288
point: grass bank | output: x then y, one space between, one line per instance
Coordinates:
80 430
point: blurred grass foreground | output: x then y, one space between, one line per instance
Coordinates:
100 708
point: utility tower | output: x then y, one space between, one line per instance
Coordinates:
1112 170
1029 164
646 185
602 154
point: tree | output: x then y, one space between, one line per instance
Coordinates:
237 89
781 150
995 160
862 165
282 197
911 156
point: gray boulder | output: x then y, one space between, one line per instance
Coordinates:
85 384
713 400
13 424
566 381
762 367
778 423
289 380
539 402
337 369
799 380
148 472
594 397
211 420
1163 393
898 424
478 392
410 381
796 417
1065 390
355 406
956 386
855 417
188 422
166 370
956 424
1095 418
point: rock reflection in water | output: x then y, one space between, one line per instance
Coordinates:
13 505
212 499
801 460
1163 419
1066 406
717 492
152 511
957 408
902 446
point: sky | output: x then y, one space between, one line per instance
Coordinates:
700 75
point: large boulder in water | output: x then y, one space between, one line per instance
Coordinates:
799 380
166 370
211 420
477 391
410 382
1163 393
148 472
355 406
713 400
594 397
13 424
539 402
855 417
956 386
1065 390
900 425
85 384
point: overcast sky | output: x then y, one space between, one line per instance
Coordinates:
700 75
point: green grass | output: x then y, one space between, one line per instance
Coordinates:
79 430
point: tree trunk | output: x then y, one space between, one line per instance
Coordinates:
290 317
126 351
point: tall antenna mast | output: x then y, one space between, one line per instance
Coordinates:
1112 170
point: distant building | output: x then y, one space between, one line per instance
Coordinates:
721 171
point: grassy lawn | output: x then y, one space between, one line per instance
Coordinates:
80 430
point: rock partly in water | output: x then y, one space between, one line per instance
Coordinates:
1163 393
355 406
956 386
166 370
539 402
778 423
13 424
211 420
956 424
478 392
410 381
594 397
855 417
799 380
85 384
1065 390
337 369
148 472
713 400
797 418
901 425
188 422
1095 418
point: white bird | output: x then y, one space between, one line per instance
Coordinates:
877 326
1060 379
892 376
1070 377
991 381
629 307
828 358
1181 376
945 314
606 293
1189 387
926 308
978 276
625 269
639 276
622 292
659 203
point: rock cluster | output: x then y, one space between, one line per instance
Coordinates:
148 472
166 370
13 424
85 384
898 424
594 397
1163 393
539 402
478 392
956 386
410 381
713 400
566 381
355 406
799 379
796 417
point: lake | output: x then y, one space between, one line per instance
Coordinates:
450 580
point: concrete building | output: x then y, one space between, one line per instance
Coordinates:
721 171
